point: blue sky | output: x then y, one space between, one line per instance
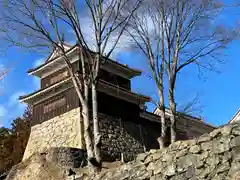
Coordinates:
219 92
219 96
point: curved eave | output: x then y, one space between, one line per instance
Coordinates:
235 117
103 86
110 64
37 71
26 98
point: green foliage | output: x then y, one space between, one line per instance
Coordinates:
4 132
13 141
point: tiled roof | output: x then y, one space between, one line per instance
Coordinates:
188 117
72 48
41 91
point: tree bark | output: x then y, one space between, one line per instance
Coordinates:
96 132
87 137
85 112
172 106
161 139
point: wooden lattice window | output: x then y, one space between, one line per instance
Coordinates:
59 77
54 105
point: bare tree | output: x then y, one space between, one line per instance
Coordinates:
3 73
146 30
182 33
192 107
35 24
188 41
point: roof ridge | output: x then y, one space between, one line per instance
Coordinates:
72 48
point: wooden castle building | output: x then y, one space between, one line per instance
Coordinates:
127 129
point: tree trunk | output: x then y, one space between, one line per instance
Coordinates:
161 139
172 106
85 113
87 137
96 132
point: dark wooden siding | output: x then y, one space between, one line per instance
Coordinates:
114 79
104 75
45 82
107 104
116 107
71 102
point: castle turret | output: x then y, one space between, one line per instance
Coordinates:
126 128
56 102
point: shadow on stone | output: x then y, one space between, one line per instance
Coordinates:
68 157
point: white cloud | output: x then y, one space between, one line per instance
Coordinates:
72 42
13 100
89 35
36 83
3 111
14 104
11 109
125 42
38 62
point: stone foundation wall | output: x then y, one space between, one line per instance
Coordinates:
120 137
67 157
213 156
60 131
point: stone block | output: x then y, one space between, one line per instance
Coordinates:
189 160
56 132
204 138
236 130
195 149
235 141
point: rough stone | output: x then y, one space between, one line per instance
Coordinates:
168 157
207 145
226 130
227 156
204 138
207 159
157 155
49 134
189 160
204 155
181 153
220 147
223 167
64 131
195 149
236 130
213 160
141 157
175 146
235 167
170 170
236 153
215 133
235 141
